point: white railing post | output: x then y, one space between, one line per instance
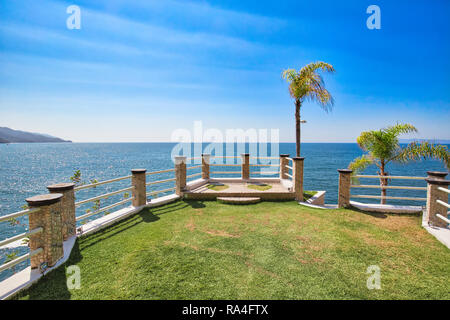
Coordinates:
138 181
344 188
433 207
67 207
283 166
180 174
51 238
206 158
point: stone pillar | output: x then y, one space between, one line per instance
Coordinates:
283 163
434 208
245 167
297 177
138 181
344 188
69 224
180 174
51 238
206 158
437 175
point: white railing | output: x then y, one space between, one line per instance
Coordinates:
225 172
92 185
445 204
20 236
18 214
193 175
372 186
103 196
87 215
151 183
159 191
27 256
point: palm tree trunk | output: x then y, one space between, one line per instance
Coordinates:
383 183
297 127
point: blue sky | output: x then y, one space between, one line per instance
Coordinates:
138 70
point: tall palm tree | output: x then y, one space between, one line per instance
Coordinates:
382 146
307 84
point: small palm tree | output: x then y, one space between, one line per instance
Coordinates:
307 84
382 146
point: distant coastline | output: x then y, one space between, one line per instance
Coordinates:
8 135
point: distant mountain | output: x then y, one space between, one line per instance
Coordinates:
8 135
439 141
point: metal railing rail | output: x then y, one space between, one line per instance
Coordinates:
159 191
160 181
160 171
387 197
18 214
388 177
106 195
22 258
445 190
264 165
87 215
194 167
262 172
193 175
374 186
20 236
443 218
225 172
224 165
92 185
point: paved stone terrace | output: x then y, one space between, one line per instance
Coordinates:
238 188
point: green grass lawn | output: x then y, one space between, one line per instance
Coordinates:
260 187
217 187
270 250
308 194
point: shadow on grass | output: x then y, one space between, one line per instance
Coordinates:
379 215
53 286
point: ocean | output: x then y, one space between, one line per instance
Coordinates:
26 169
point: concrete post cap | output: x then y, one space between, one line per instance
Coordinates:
298 158
438 182
345 171
180 159
44 199
61 187
138 171
439 174
284 155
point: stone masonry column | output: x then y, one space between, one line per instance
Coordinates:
206 158
434 208
437 175
297 177
139 191
50 220
180 174
344 188
283 163
245 168
67 207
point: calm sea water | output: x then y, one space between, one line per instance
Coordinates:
26 170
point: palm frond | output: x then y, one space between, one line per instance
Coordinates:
425 150
359 164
